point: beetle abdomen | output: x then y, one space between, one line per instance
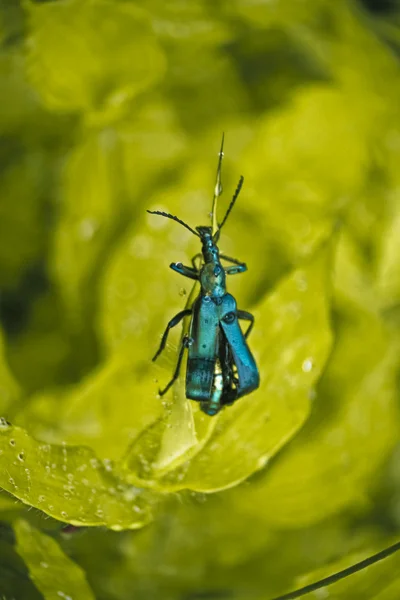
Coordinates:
199 378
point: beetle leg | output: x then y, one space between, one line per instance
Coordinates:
185 271
185 344
246 316
236 269
177 318
240 267
195 257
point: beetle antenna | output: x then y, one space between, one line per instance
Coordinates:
169 216
218 188
235 196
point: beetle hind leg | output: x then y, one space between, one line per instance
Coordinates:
185 344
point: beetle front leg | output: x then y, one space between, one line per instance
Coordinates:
185 271
196 257
240 267
236 269
177 318
246 316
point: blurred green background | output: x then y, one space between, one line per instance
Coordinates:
109 108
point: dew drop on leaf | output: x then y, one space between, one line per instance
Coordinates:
4 424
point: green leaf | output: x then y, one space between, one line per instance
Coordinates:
68 482
388 248
21 212
14 577
333 462
91 56
291 345
353 284
104 175
9 389
90 217
52 571
299 143
106 411
19 105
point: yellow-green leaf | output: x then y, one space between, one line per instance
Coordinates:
68 483
90 215
106 411
91 56
333 462
9 389
291 344
51 570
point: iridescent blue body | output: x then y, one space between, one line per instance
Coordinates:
220 367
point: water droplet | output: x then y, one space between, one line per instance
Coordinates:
107 464
64 596
47 469
12 442
307 365
141 246
294 309
50 507
64 514
182 292
11 480
21 456
99 512
87 228
301 282
44 565
130 494
41 498
70 476
4 424
94 463
312 394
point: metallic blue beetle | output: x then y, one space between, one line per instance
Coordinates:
220 367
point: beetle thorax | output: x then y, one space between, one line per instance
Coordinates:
212 278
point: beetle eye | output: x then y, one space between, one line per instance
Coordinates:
229 317
217 270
